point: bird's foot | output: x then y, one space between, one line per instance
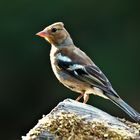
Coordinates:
86 97
79 97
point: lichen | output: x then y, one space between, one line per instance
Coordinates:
69 126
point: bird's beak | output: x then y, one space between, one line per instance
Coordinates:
42 34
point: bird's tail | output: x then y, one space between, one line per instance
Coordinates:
125 107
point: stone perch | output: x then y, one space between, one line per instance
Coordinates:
72 120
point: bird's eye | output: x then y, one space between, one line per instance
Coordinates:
53 30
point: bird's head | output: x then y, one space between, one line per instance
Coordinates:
55 34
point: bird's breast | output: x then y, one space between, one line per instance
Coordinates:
66 79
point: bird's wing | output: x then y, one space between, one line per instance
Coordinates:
90 74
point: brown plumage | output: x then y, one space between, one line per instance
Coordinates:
74 69
75 54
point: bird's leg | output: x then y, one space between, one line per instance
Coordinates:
79 97
86 97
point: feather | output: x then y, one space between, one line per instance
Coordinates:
90 74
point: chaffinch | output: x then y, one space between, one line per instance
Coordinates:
74 69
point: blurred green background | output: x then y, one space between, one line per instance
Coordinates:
108 31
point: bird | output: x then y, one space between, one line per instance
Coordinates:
75 70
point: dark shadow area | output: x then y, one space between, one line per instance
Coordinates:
109 32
